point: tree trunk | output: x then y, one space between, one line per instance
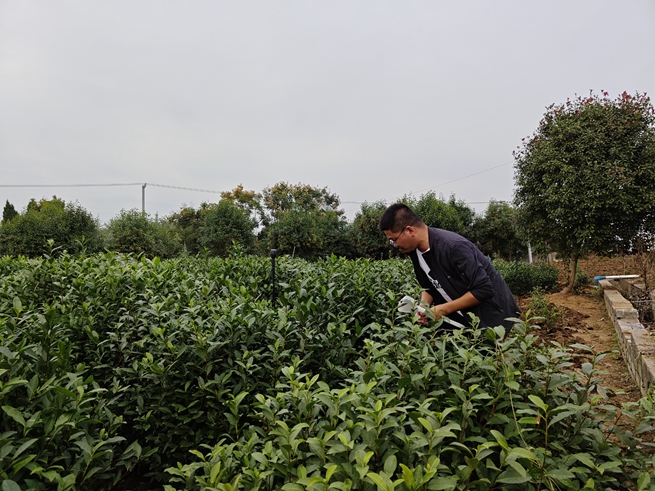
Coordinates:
573 268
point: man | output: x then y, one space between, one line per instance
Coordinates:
456 277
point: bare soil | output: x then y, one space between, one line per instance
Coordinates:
585 321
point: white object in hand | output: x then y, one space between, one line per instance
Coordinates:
407 304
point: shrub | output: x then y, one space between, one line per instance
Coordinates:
546 314
522 278
466 410
134 232
68 226
111 361
226 225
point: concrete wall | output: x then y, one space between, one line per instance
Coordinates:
636 343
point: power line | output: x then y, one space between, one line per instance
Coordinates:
465 177
180 187
70 185
105 185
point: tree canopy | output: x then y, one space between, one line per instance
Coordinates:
585 180
496 234
304 221
8 212
68 226
135 232
435 211
366 236
227 224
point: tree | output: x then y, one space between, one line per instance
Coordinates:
249 201
284 197
134 232
453 215
366 237
227 224
187 226
496 234
68 225
585 180
303 220
8 212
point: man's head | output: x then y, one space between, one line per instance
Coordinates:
404 229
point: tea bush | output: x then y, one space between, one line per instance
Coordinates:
162 345
111 365
545 314
467 410
522 277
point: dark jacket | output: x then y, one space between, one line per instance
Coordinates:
460 267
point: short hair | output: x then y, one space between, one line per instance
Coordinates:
399 216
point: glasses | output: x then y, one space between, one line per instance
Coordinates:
393 241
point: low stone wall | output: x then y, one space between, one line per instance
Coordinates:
636 343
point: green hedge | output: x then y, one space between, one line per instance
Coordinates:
522 277
184 372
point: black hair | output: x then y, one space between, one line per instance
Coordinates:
399 216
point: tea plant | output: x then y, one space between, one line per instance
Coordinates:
545 314
112 364
463 411
522 277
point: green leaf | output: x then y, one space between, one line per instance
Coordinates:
9 485
581 347
590 484
643 482
537 401
292 486
390 465
611 465
512 476
585 459
587 368
510 384
408 476
560 474
24 447
500 438
443 483
426 424
14 414
331 470
518 468
378 481
522 453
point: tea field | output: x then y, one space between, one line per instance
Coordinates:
183 373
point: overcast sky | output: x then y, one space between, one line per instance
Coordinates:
371 98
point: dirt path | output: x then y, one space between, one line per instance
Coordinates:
584 320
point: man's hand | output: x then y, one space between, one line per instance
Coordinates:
439 310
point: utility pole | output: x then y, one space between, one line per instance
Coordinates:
143 198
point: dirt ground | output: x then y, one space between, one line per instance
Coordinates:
585 320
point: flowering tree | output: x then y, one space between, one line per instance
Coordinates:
585 180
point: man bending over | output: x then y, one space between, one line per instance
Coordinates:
456 277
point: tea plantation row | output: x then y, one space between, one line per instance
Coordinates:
183 372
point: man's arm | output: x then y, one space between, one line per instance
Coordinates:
426 298
466 301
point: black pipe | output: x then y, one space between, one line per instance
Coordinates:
273 254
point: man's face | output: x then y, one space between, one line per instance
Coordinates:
403 240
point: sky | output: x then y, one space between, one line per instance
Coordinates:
373 99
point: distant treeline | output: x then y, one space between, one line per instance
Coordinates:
295 219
